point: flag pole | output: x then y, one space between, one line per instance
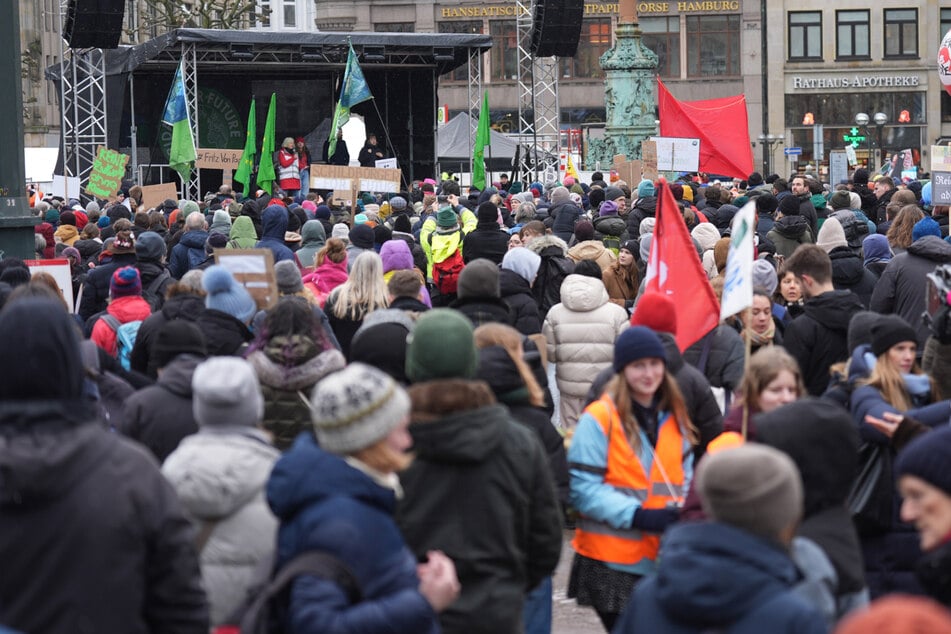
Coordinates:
746 363
389 143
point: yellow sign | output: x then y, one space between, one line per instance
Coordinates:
597 8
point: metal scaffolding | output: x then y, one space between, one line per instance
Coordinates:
538 113
474 96
192 187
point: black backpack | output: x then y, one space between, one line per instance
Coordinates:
264 610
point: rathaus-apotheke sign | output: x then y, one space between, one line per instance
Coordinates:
856 81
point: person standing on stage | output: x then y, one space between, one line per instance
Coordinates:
371 152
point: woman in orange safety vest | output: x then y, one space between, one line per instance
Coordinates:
631 461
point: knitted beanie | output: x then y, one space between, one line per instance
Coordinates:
221 217
677 190
125 239
889 330
52 217
927 458
789 205
559 196
766 203
927 226
342 231
322 212
176 337
72 252
356 408
613 193
225 391
608 208
636 343
584 230
226 295
522 261
381 342
360 219
646 188
657 312
831 235
67 218
487 212
149 246
125 282
752 487
764 276
860 177
441 347
361 236
103 222
840 200
397 203
402 224
898 614
215 241
647 226
860 328
447 218
479 279
189 206
288 277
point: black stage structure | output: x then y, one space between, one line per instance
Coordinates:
126 88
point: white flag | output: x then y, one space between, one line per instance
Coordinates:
738 285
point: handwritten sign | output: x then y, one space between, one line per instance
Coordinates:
155 195
941 158
369 179
218 159
675 154
253 269
60 271
648 161
941 188
108 168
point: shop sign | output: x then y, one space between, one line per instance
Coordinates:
597 8
855 81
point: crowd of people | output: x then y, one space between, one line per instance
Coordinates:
447 381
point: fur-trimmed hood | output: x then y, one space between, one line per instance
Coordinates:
548 240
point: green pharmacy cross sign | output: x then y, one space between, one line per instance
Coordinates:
854 137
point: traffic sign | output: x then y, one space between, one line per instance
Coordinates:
788 151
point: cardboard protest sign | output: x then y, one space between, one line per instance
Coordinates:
108 169
209 158
155 195
253 269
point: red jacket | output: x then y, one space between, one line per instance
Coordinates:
125 309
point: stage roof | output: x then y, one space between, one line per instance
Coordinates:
269 48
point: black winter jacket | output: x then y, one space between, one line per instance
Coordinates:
160 415
485 310
849 274
901 288
643 208
187 307
479 490
724 358
517 293
818 337
611 226
485 241
93 539
224 334
96 287
566 217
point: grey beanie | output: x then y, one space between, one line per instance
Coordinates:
150 246
752 487
560 196
764 276
225 391
288 277
479 279
356 408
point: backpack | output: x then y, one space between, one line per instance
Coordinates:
110 391
125 338
446 273
151 292
264 608
854 228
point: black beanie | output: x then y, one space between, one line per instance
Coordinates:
860 328
177 337
635 343
595 197
487 212
402 224
766 203
789 205
927 457
888 331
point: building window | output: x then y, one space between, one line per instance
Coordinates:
595 40
290 14
264 14
805 35
945 23
851 34
132 20
713 45
504 57
394 27
662 35
901 33
473 27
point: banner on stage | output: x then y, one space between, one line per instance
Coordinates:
60 271
253 269
386 164
339 178
214 159
155 195
105 179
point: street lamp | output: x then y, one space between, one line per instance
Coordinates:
769 142
862 120
880 120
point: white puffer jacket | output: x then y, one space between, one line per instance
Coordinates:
580 333
220 475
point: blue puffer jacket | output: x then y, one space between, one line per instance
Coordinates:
713 577
274 226
345 513
188 253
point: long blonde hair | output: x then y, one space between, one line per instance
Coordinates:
671 400
887 379
511 340
364 291
765 365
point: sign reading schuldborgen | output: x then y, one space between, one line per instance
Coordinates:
108 168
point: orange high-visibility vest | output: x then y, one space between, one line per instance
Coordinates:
601 541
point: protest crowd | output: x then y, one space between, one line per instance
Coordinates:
448 380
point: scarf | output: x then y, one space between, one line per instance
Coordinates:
757 339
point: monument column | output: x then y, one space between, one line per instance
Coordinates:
630 93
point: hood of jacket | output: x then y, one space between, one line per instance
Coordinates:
396 256
455 421
194 239
45 448
88 248
610 225
183 307
294 363
706 234
274 222
791 227
176 377
68 234
712 574
546 242
587 250
834 309
243 232
582 294
648 205
216 472
292 485
129 308
931 248
847 267
312 234
511 283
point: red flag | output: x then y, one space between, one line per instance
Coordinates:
720 124
673 268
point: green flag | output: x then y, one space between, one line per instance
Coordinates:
353 90
266 175
243 173
181 155
481 141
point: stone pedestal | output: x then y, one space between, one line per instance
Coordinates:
630 97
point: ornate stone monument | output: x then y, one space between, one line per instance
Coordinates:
630 93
